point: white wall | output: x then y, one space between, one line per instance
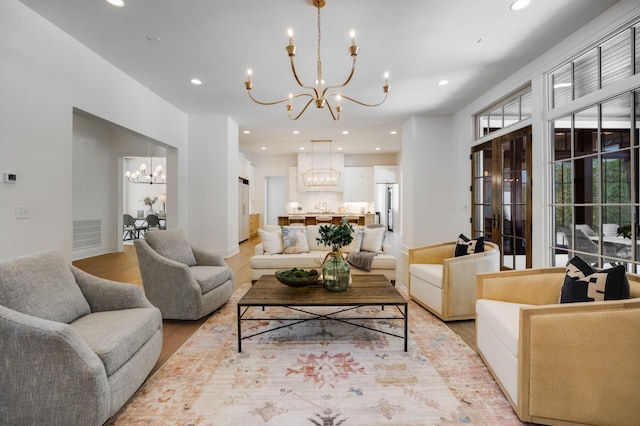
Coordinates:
429 169
213 170
45 74
92 182
268 165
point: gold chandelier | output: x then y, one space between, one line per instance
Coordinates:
322 176
320 93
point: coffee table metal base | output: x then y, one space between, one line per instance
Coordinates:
363 293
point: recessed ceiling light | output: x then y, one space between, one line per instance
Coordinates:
196 81
443 82
393 132
345 132
296 132
377 149
519 5
246 132
263 148
116 3
339 148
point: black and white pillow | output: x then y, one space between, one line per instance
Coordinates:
582 283
466 246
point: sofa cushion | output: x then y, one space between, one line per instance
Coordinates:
373 239
356 244
582 283
271 240
313 233
210 277
171 244
466 246
294 240
504 319
42 285
312 259
431 273
115 336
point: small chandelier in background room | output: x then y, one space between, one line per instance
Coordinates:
147 175
319 94
321 176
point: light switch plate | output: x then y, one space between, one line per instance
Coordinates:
22 212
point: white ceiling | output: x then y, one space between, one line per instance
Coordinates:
164 43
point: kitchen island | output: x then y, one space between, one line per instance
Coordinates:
336 218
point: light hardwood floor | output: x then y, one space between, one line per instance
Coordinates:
123 267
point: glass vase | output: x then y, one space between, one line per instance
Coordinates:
335 272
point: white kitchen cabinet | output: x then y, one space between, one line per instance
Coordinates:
385 174
244 167
358 184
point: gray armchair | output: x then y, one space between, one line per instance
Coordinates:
184 282
75 347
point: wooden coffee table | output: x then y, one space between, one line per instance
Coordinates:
365 290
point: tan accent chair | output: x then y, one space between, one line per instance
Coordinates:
560 364
445 284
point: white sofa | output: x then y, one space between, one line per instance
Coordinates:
446 285
265 263
560 364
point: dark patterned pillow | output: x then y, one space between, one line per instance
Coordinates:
466 246
582 283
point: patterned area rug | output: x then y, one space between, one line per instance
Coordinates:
320 373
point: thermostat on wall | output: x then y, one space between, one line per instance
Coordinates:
8 177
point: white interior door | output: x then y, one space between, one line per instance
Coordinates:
275 198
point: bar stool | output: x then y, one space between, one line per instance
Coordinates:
323 219
296 220
352 219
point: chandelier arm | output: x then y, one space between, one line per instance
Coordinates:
268 103
362 103
332 116
353 70
303 109
295 75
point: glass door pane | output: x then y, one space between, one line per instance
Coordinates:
501 196
483 193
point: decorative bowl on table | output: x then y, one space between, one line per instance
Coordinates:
296 277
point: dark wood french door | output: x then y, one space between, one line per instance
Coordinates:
501 196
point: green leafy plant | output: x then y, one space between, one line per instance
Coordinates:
625 231
149 201
336 236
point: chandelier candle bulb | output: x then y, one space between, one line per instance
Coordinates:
352 34
290 33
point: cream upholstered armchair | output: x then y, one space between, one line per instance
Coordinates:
570 363
183 281
445 284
